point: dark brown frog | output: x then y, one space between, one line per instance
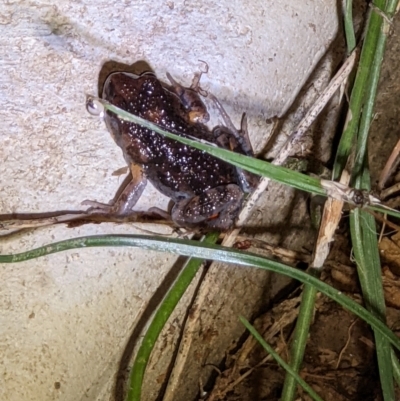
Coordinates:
206 191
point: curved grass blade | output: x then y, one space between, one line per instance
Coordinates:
300 337
280 174
212 252
159 320
280 361
259 167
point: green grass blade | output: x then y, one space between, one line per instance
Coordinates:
363 227
348 26
396 367
259 167
357 95
298 345
281 362
210 252
369 101
363 234
158 322
280 174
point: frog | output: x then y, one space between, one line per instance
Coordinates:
206 192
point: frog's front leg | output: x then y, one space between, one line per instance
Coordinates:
196 81
126 197
190 100
216 208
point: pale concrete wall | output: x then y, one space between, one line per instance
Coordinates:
66 318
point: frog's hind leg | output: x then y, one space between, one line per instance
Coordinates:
216 208
239 143
126 197
243 135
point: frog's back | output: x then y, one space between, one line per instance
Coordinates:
175 169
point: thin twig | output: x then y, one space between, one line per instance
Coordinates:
390 165
347 343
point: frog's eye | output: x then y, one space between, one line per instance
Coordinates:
94 106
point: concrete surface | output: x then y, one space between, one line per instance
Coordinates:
65 319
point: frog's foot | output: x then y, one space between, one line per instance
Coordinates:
162 213
190 100
121 207
95 206
102 208
216 208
